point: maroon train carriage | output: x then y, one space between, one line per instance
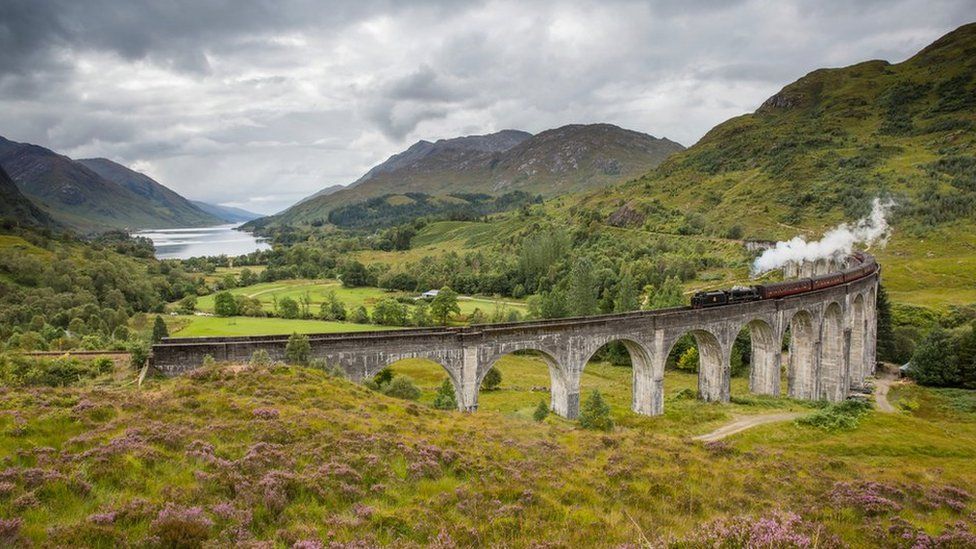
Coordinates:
783 289
827 280
862 265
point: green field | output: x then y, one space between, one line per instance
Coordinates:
221 272
932 272
317 290
197 326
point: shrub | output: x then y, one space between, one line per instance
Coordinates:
541 411
103 365
837 417
775 529
492 380
910 405
402 387
333 370
359 315
332 308
298 350
260 357
138 353
595 413
181 527
689 360
421 315
208 361
383 377
187 305
159 330
57 372
288 308
446 399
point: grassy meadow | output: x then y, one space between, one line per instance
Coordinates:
233 456
198 326
221 272
318 290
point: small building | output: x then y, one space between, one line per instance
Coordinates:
430 294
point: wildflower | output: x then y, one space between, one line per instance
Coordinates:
363 511
871 498
102 518
10 530
181 527
265 413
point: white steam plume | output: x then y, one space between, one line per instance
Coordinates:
838 241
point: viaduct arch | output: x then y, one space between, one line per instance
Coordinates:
831 332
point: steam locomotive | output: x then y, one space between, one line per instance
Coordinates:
861 265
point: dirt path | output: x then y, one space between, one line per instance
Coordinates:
881 387
742 424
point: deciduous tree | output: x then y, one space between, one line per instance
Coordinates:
224 304
935 362
445 305
298 350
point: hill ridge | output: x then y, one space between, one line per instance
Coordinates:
76 196
561 160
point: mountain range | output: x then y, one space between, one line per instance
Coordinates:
563 160
95 194
228 214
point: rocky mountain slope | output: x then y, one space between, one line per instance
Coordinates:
563 160
80 198
16 208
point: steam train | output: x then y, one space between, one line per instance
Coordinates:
861 265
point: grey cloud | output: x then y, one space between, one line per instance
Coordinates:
225 100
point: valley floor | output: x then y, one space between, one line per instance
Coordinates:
235 455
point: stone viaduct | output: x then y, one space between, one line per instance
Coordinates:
832 336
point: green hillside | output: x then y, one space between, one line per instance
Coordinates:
815 154
79 197
168 203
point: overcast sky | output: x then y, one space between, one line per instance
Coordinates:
260 103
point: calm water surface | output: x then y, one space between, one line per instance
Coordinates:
186 243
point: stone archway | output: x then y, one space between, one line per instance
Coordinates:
713 367
563 385
647 385
418 369
764 360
